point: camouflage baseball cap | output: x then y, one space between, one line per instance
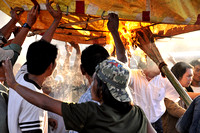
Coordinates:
116 75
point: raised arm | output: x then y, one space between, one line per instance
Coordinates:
21 35
31 19
57 15
38 99
78 54
113 25
15 14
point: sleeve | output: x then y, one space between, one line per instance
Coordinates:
16 48
74 115
173 108
189 122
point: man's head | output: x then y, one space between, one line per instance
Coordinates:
91 56
115 77
39 57
196 65
149 67
4 54
183 72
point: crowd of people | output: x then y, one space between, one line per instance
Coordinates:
116 99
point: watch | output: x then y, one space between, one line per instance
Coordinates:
3 40
25 25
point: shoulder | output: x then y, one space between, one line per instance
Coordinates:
15 47
86 96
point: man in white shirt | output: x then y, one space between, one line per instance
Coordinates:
41 55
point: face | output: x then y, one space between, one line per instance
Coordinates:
186 80
196 73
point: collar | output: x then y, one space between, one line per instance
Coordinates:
31 81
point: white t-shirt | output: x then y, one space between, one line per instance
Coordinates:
149 95
22 115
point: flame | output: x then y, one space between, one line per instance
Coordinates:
127 32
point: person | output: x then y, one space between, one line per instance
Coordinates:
189 122
184 73
4 54
40 64
149 95
7 29
12 52
115 114
195 85
90 57
95 54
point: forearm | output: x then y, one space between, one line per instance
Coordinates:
38 99
7 29
48 35
193 95
19 39
120 50
78 58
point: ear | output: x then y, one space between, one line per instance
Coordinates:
82 70
50 68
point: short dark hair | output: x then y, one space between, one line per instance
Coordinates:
108 99
195 62
180 68
39 56
91 56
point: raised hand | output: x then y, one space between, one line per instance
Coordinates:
10 79
32 16
69 49
57 15
113 22
145 36
16 13
75 45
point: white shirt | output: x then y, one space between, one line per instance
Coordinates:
22 115
149 95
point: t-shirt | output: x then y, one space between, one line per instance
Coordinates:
90 117
22 115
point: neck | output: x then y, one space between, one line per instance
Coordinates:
195 83
39 79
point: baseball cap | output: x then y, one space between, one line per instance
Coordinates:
5 54
116 75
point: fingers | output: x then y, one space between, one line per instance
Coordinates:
51 2
7 66
112 15
58 7
18 9
145 36
36 10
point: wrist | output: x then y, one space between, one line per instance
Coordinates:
14 21
15 86
26 25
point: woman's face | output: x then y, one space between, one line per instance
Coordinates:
196 73
186 79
